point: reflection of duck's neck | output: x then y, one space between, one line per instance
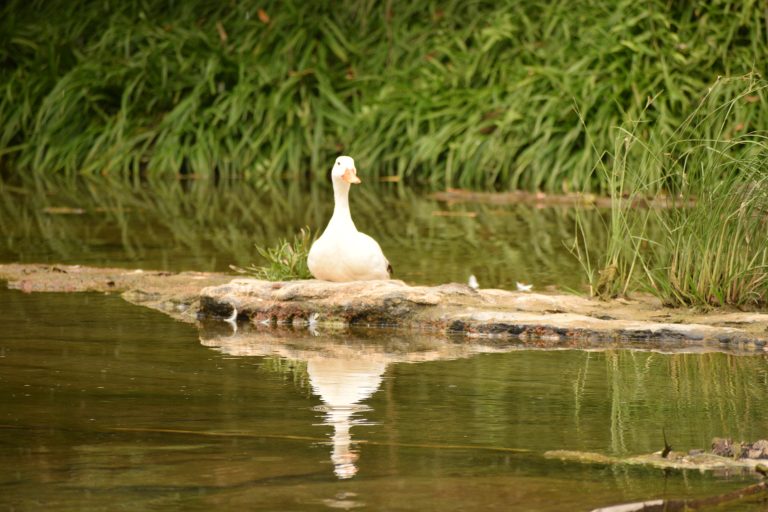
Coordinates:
342 384
342 455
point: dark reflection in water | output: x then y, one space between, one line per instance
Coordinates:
198 225
104 405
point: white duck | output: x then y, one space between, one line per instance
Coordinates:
342 253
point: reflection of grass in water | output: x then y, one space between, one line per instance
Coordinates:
724 392
731 387
197 219
291 370
613 401
209 226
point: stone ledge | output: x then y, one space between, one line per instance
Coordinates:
458 309
453 309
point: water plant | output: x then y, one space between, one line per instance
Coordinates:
480 94
710 246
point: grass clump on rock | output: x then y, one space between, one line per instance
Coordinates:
285 261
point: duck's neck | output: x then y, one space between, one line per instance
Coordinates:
342 218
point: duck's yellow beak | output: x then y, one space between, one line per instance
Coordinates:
350 175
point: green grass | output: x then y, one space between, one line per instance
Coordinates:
710 247
472 94
284 261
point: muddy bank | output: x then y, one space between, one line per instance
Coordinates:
453 309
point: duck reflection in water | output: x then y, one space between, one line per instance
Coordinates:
342 385
344 369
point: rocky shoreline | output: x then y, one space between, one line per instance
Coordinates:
450 309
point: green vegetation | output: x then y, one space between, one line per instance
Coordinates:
710 246
454 93
285 261
608 96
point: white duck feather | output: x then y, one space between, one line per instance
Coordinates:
342 253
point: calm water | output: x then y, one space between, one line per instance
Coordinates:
197 225
107 406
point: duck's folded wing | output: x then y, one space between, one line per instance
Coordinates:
370 262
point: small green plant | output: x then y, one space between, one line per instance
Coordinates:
285 261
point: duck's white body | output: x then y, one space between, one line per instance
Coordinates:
342 253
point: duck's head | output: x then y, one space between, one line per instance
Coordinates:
344 169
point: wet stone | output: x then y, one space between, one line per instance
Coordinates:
451 308
726 447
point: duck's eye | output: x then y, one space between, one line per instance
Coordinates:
337 163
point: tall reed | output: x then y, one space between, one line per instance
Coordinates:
710 246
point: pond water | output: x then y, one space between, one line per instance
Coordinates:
104 405
109 406
198 225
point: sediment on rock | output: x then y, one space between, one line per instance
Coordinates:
694 459
174 293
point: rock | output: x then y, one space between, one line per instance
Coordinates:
451 308
758 450
176 294
728 448
542 319
723 465
638 506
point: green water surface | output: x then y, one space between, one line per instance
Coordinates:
205 226
108 406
